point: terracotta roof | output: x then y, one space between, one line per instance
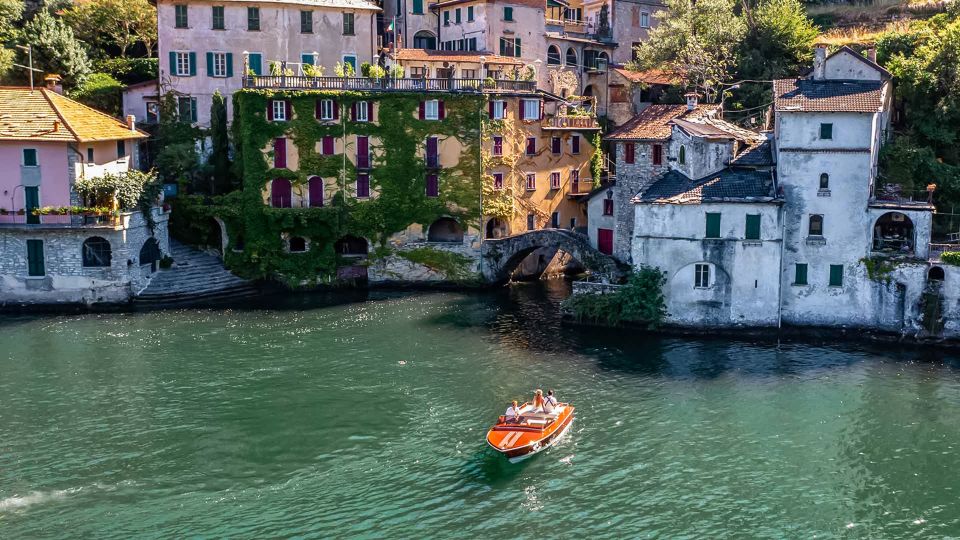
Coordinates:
651 76
452 56
335 4
807 95
727 185
715 128
653 123
45 115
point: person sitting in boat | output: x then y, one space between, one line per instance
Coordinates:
549 402
538 401
513 413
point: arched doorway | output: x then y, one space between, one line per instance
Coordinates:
350 245
424 40
445 230
215 236
497 228
935 274
893 234
150 253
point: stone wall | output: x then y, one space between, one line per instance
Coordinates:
394 268
631 179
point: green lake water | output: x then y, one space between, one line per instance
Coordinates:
364 416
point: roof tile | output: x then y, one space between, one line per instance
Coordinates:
807 95
653 123
739 185
44 115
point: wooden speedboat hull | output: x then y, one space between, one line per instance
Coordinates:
534 434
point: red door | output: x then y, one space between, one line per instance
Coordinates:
605 241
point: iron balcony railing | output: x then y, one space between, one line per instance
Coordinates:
571 122
387 84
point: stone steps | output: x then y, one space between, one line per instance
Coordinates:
196 276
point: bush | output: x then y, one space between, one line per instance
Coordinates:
950 257
131 189
639 301
102 92
128 70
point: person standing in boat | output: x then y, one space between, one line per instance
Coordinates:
549 402
513 413
538 401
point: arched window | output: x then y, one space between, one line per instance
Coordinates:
824 181
571 57
553 55
96 252
424 40
315 186
297 244
682 158
816 225
445 230
280 193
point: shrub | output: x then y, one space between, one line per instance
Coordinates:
131 189
639 301
950 257
102 92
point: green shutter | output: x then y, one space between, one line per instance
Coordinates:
35 265
229 64
256 64
503 46
836 275
753 227
800 278
418 7
173 63
193 64
209 64
508 13
516 47
713 225
193 109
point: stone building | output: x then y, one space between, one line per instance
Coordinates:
202 44
53 250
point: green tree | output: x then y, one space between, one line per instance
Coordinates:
55 49
220 145
11 11
114 23
178 159
698 41
102 92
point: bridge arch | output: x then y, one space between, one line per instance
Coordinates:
502 255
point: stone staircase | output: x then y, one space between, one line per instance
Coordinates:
196 277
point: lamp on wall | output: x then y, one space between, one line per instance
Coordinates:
609 193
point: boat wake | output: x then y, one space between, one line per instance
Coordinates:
19 502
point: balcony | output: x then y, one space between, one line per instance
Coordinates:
386 84
17 220
561 122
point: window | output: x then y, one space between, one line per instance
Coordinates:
90 155
508 13
836 275
682 158
256 63
469 13
555 180
183 64
326 109
826 131
433 185
800 274
497 145
657 154
608 207
217 18
753 227
510 47
531 109
573 223
348 24
531 146
457 16
553 56
279 109
187 109
363 152
497 181
30 157
713 225
308 59
362 109
152 112
555 220
95 252
352 60
326 145
253 18
280 193
121 148
446 18
498 110
431 110
417 10
279 153
297 244
531 222
555 145
363 186
35 266
575 144
644 19
180 14
433 156
417 72
575 180
701 276
629 151
571 57
531 181
306 22
218 64
816 225
824 181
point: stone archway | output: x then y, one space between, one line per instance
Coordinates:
496 228
502 256
445 229
150 253
893 233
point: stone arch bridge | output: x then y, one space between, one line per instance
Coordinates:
500 256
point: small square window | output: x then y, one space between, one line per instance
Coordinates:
497 145
701 276
30 157
121 149
752 231
531 109
499 109
90 155
826 131
362 110
608 207
326 109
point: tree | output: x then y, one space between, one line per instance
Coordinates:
114 23
55 49
698 41
10 12
102 92
220 145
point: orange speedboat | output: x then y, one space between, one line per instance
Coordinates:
532 433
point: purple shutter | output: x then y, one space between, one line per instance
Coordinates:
490 109
316 109
280 193
432 158
289 108
531 146
316 191
326 145
423 110
370 112
363 152
556 145
433 185
279 153
576 144
441 112
353 112
270 110
363 185
336 110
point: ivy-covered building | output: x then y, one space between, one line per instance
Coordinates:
346 176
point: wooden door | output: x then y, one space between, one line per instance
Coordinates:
605 241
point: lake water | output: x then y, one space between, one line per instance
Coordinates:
332 417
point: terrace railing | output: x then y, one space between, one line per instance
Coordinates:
571 122
386 84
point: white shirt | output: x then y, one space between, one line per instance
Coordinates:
512 413
549 403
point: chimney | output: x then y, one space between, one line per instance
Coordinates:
56 126
52 82
132 122
819 62
691 100
872 54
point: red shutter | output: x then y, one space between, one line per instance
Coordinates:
423 110
576 144
270 110
370 112
316 191
279 153
336 111
441 114
490 109
280 193
289 108
363 152
556 145
433 186
326 147
363 185
531 146
432 158
628 152
353 112
316 110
